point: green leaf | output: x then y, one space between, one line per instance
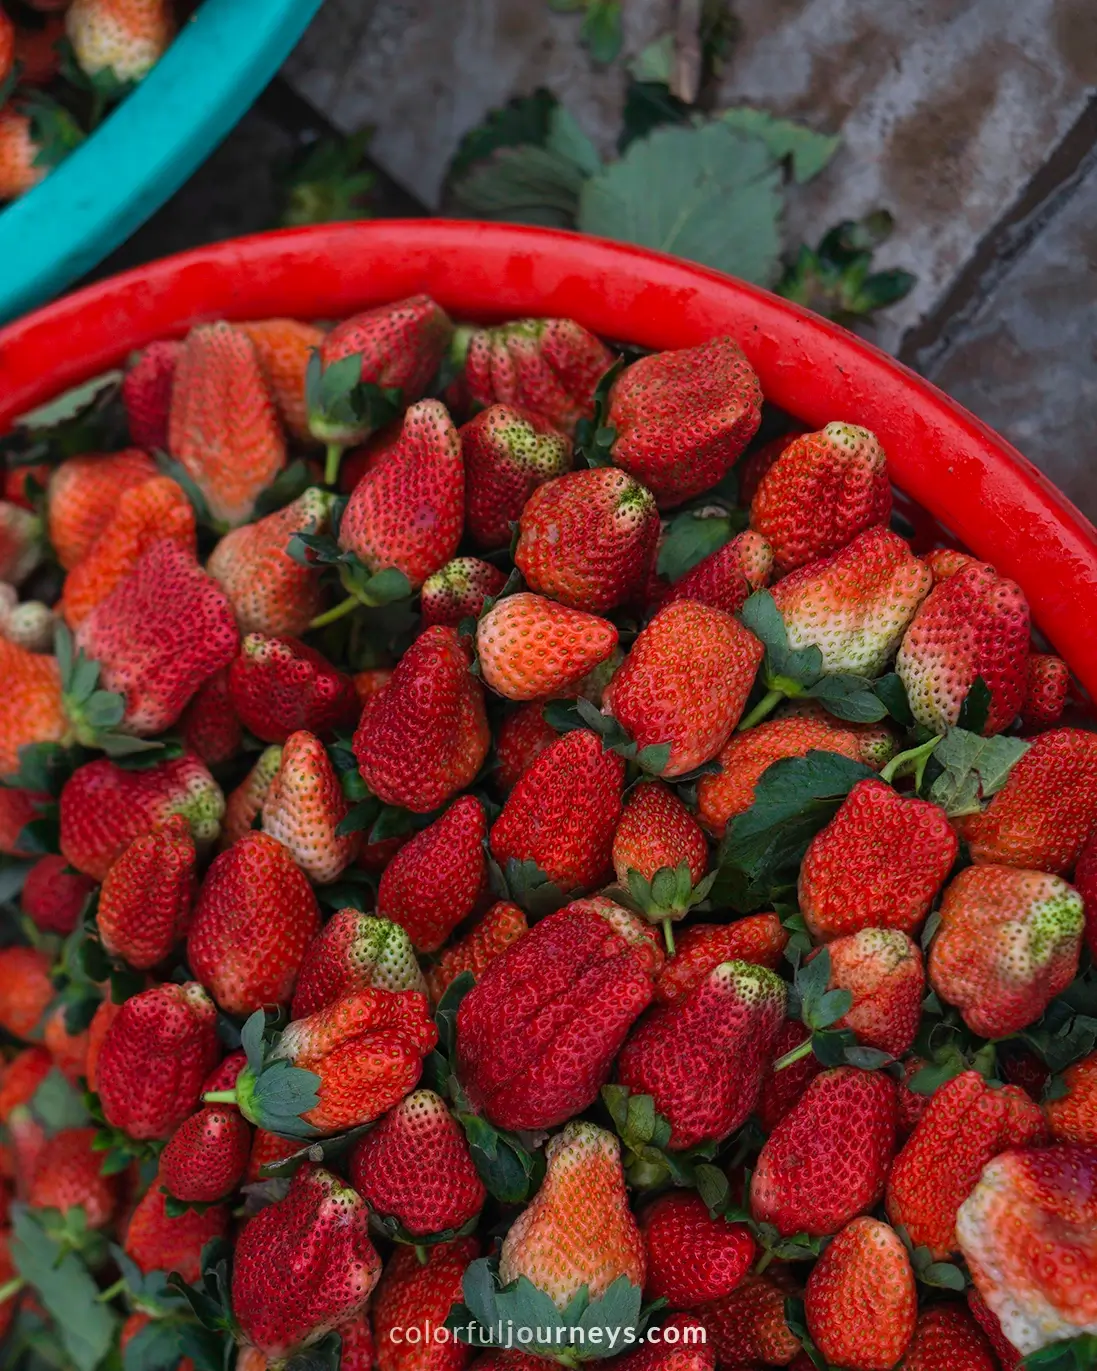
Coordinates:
1075 1354
648 102
527 119
154 1347
502 1163
524 185
290 482
13 875
703 192
57 1105
601 32
71 403
975 710
567 139
943 1275
690 538
808 152
975 768
478 1289
893 695
849 697
359 817
712 1186
445 1016
385 586
531 889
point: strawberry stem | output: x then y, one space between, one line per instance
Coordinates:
332 459
919 756
766 705
339 611
220 1097
763 1261
105 1295
795 1055
668 935
13 1287
422 1254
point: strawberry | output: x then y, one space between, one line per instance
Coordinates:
782 1089
503 924
31 624
415 1167
352 952
879 743
882 970
104 808
19 808
158 1242
245 803
305 806
356 1350
748 1326
7 47
145 903
860 1301
1047 681
284 347
703 1058
281 685
122 38
760 939
508 453
157 636
658 833
266 1150
156 509
879 863
587 539
531 648
20 542
146 393
68 1176
98 1029
692 1257
30 707
1072 1116
577 1230
20 1078
822 491
408 510
683 418
222 428
54 896
209 724
947 561
320 1233
537 1034
157 1052
368 683
947 1336
726 577
68 1050
434 882
965 1124
1046 811
563 812
681 1345
207 1155
411 1305
1008 943
425 735
25 989
83 495
828 1158
549 367
520 740
1028 1232
269 591
458 590
20 169
255 915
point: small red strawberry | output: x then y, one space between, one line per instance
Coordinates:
860 1301
20 1078
503 924
21 807
281 685
782 1089
31 704
145 903
146 393
68 1050
683 418
947 561
157 1242
20 150
25 990
54 896
352 952
658 833
681 1345
98 1029
691 1256
83 494
531 648
748 1326
121 38
284 347
207 1155
520 740
245 803
508 453
760 939
68 1176
1072 1116
946 1336
209 724
1047 681
726 577
305 806
882 970
458 590
412 1302
255 915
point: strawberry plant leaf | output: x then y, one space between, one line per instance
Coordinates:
601 33
509 1171
976 707
808 152
322 1356
526 119
973 769
892 694
848 697
523 185
713 1187
594 437
45 767
13 875
693 536
1075 1354
56 1105
71 403
290 482
567 139
445 1016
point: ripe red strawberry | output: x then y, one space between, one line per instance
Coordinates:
1008 1357
20 542
222 427
748 1326
681 1346
7 47
269 591
125 40
284 347
658 832
415 1167
879 742
156 509
146 393
879 863
563 812
413 1300
408 510
1009 942
828 1159
508 453
578 1229
691 1257
1028 1232
882 969
30 706
434 882
760 939
703 1058
1046 811
255 915
104 808
157 1242
158 1050
424 736
854 605
246 801
860 1301
53 896
20 1078
68 1050
1047 681
683 418
547 366
25 989
782 1089
947 561
520 740
145 903
946 1336
320 1233
965 1124
98 1029
822 491
537 1034
158 635
1072 1116
588 539
83 495
266 1149
68 1175
726 577
368 683
304 807
209 724
531 648
356 1350
352 952
207 1155
19 808
503 924
458 590
281 685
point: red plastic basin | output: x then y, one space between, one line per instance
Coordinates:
974 483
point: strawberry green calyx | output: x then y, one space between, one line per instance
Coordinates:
93 713
667 897
271 1094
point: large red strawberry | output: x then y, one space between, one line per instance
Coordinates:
458 590
305 806
280 685
54 895
946 1336
748 1326
726 577
519 741
83 494
692 1257
503 924
146 393
681 419
508 453
158 1242
68 1175
531 648
352 952
537 1034
209 725
1072 1116
207 1155
145 903
424 736
760 938
284 347
882 970
412 1302
861 1303
31 705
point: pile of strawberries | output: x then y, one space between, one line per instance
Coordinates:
485 853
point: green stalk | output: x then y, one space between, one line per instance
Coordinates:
106 1295
339 611
422 1254
919 756
795 1055
766 705
668 934
332 459
220 1097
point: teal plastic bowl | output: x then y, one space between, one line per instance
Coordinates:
144 151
